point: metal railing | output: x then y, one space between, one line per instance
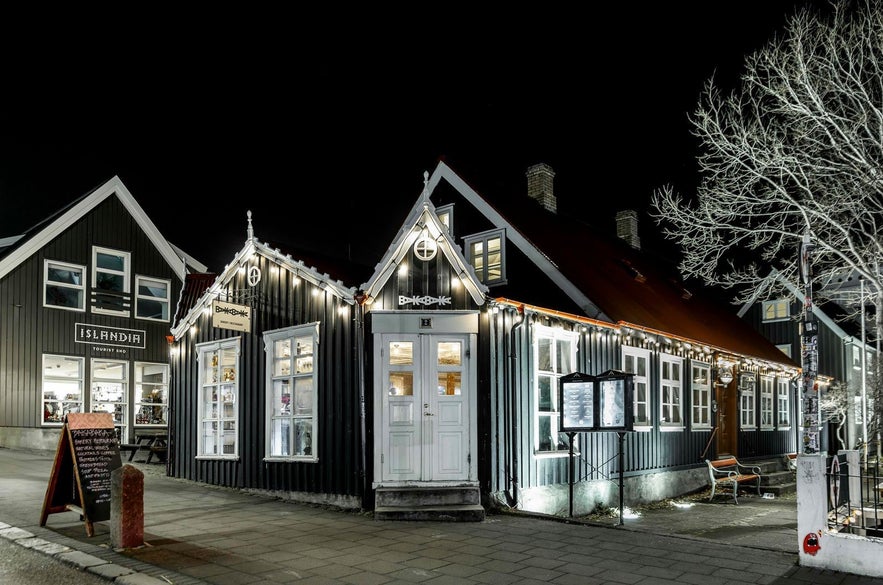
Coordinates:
855 497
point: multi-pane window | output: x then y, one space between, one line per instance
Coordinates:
701 394
776 310
110 279
783 402
64 286
218 435
554 353
151 394
62 387
487 255
110 393
636 361
766 402
291 392
446 216
746 402
671 386
152 298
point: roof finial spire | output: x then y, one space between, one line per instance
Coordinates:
425 188
250 228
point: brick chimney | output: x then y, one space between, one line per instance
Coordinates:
627 227
539 186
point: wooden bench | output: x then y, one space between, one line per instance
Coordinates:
730 472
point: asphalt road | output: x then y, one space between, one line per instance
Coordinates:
23 566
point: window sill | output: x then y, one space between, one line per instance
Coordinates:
671 428
701 427
553 454
642 428
217 457
272 459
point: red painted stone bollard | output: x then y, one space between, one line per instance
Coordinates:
126 507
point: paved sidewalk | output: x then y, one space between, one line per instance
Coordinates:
199 534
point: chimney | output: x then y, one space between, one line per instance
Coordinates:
627 227
539 186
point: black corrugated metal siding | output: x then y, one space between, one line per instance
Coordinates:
276 303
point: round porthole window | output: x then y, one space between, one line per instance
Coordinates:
425 248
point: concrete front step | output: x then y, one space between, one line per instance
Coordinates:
451 513
441 503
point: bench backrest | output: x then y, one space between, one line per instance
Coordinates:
731 461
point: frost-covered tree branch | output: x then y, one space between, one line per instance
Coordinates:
797 149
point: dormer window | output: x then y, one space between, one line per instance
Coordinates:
446 217
777 310
487 254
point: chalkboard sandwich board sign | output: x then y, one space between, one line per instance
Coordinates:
80 481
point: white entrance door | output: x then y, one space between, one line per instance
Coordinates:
425 414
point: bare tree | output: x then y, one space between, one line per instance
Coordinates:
835 404
796 149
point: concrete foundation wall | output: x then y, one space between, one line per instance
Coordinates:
554 500
29 438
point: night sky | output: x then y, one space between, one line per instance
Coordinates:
324 126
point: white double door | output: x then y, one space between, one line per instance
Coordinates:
425 406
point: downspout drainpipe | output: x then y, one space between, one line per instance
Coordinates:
360 383
512 497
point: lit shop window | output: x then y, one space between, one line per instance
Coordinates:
671 387
746 402
636 361
766 402
110 388
218 436
554 353
783 402
62 387
291 392
64 286
151 394
701 392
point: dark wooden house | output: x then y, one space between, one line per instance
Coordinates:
86 304
843 357
433 387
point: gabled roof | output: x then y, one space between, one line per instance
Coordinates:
611 281
23 247
200 290
819 313
421 220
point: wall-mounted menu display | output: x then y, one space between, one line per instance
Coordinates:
597 403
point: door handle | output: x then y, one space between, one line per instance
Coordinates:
428 414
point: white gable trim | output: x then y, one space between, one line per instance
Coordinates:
423 216
54 229
513 235
286 262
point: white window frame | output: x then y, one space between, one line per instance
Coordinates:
165 302
80 288
60 378
554 335
282 369
226 392
783 403
484 238
101 401
152 396
671 393
767 403
700 405
124 273
445 215
641 380
775 310
747 405
785 348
